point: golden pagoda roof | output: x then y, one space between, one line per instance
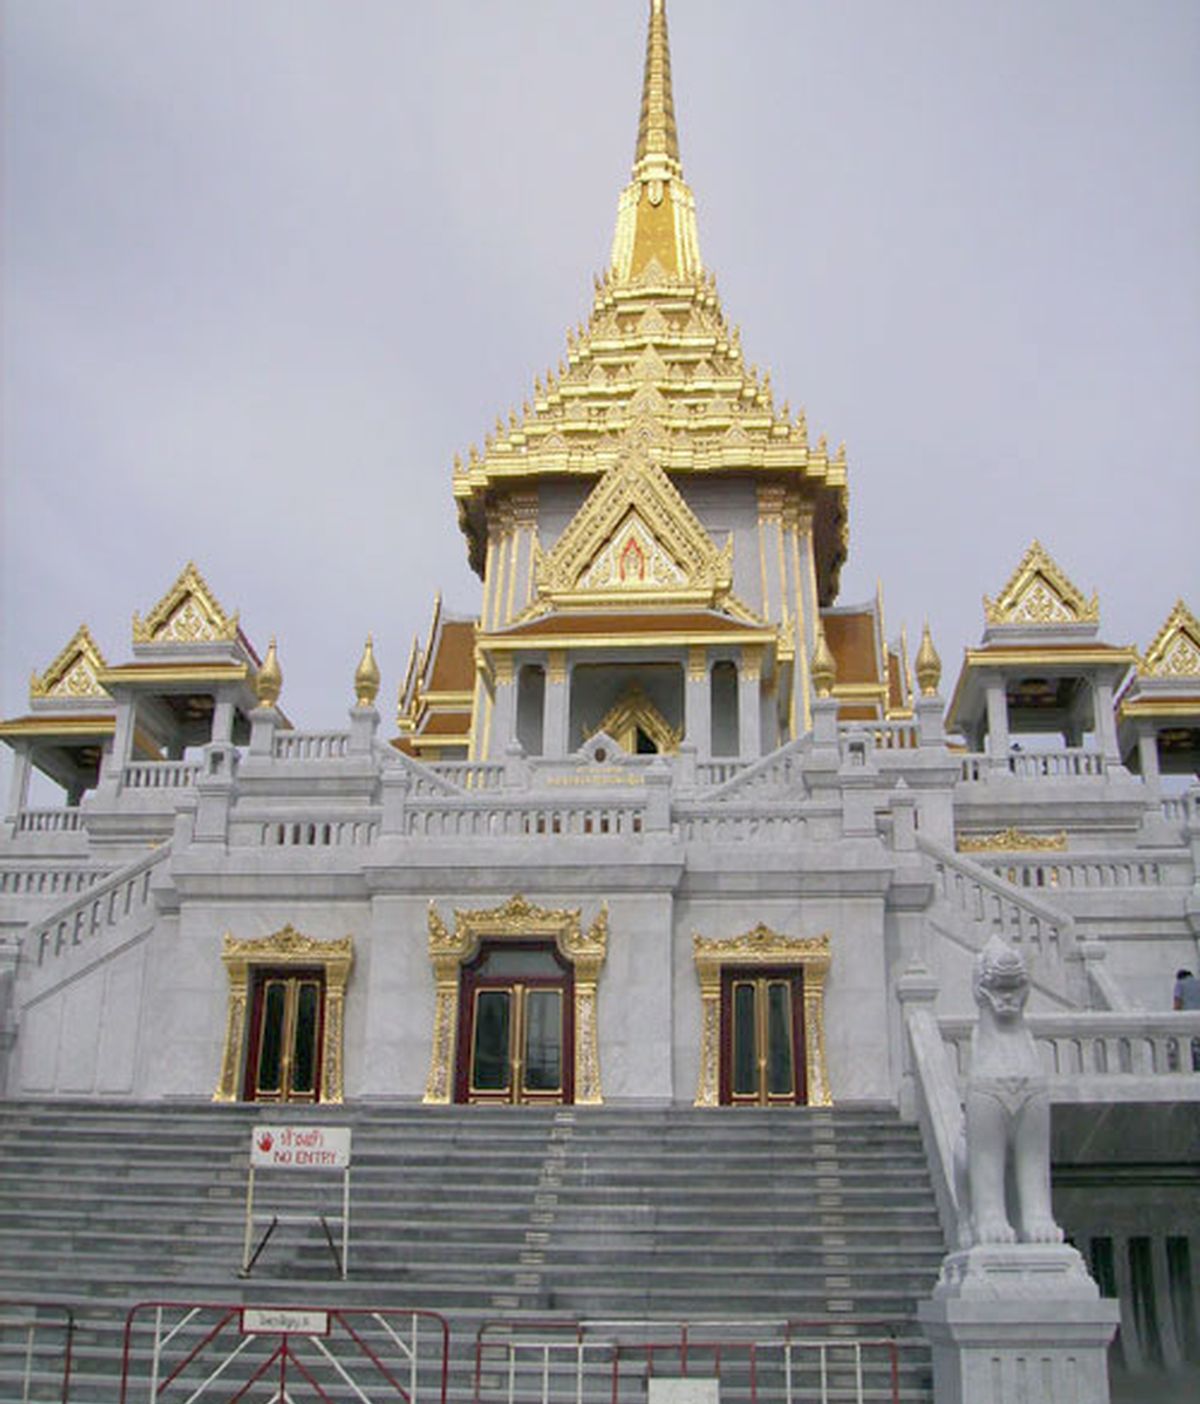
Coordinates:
656 367
188 613
1039 593
74 673
1175 650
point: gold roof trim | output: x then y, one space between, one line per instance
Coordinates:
1039 593
188 613
1013 840
74 674
1175 651
634 537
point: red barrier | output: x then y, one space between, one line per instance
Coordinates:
220 1351
30 1321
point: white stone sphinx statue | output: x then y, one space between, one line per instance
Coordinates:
1002 1162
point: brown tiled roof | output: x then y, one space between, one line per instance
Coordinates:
453 667
851 640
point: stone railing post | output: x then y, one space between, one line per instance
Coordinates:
686 775
264 721
516 768
364 723
903 804
214 792
930 728
396 787
658 797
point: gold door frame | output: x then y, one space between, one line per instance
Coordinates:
284 949
515 920
762 947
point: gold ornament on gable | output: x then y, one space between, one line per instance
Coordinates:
187 613
73 672
1038 592
1175 651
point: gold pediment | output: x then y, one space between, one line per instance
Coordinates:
73 674
187 614
1175 652
634 711
1039 593
635 536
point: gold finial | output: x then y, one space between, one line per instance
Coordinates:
366 676
824 669
269 682
657 134
929 665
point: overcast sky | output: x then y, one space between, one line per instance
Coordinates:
269 264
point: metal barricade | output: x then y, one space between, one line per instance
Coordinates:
557 1360
199 1351
36 1341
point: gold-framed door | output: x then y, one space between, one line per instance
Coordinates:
288 954
287 1030
763 953
518 1044
762 1037
515 924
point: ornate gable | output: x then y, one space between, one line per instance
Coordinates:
635 536
73 674
1175 652
187 614
1038 592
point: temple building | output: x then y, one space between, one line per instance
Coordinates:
665 822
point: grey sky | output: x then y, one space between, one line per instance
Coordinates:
268 264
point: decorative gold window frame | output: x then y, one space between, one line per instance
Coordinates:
515 920
286 948
763 947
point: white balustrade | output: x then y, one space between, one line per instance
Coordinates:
107 904
160 775
311 745
719 772
1067 764
45 880
885 736
50 821
471 775
744 824
1067 874
1104 1044
318 833
457 819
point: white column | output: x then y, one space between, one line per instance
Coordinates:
997 714
504 718
1106 722
749 705
222 722
697 703
18 793
1148 752
556 713
117 758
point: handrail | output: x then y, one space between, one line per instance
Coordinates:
310 745
63 820
67 925
1044 933
939 1109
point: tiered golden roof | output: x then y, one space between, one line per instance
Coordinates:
657 367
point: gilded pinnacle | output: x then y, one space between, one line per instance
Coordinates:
366 676
823 667
268 684
928 665
657 133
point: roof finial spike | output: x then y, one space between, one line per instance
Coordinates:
657 134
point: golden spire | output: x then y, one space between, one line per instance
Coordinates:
268 684
822 667
366 676
656 215
929 665
658 138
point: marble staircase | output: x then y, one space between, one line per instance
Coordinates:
482 1214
